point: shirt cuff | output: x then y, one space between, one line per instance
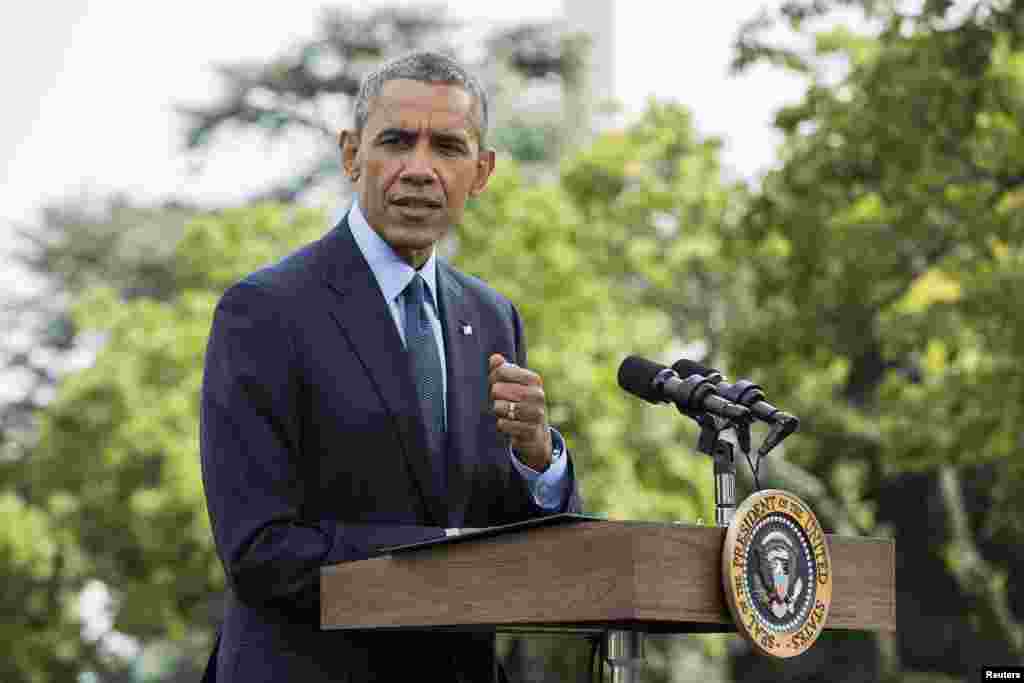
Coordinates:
550 487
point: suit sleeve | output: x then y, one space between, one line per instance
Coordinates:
573 502
250 446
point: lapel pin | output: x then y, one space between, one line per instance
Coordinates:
467 329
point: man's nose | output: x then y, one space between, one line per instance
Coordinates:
419 166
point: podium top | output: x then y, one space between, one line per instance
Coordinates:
582 573
464 535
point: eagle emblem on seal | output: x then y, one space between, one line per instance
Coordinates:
775 587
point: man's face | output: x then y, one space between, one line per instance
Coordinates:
418 160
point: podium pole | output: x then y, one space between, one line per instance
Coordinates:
625 654
625 649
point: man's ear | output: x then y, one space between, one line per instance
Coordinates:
348 141
484 168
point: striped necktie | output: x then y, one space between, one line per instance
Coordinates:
425 362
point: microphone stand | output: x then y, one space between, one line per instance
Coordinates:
723 457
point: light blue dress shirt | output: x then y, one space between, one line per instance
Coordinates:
549 488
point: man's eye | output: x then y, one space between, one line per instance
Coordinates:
451 148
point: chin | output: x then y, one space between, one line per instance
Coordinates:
415 236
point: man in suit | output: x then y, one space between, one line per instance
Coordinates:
361 393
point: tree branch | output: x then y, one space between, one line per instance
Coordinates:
983 584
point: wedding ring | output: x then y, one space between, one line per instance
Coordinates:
512 411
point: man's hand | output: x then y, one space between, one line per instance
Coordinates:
518 403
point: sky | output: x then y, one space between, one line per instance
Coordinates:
71 125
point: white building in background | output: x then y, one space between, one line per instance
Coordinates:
582 111
596 19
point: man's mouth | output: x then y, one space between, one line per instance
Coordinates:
417 202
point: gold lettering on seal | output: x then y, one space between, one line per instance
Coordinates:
808 631
816 536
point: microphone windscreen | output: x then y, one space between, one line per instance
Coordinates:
636 375
685 367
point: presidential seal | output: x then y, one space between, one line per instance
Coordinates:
777 573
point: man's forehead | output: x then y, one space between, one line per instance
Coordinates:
415 105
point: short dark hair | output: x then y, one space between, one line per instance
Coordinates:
426 67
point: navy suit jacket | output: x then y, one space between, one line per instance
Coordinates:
314 452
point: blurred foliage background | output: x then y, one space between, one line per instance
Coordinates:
871 281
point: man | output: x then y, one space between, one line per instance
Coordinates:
361 393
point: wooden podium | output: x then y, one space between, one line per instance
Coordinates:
586 575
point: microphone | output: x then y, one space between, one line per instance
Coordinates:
746 393
656 383
742 391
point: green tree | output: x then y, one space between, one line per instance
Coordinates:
886 252
116 468
82 242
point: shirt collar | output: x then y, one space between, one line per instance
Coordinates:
392 273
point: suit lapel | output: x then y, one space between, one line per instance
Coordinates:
364 318
467 383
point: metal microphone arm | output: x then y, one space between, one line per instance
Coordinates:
785 424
